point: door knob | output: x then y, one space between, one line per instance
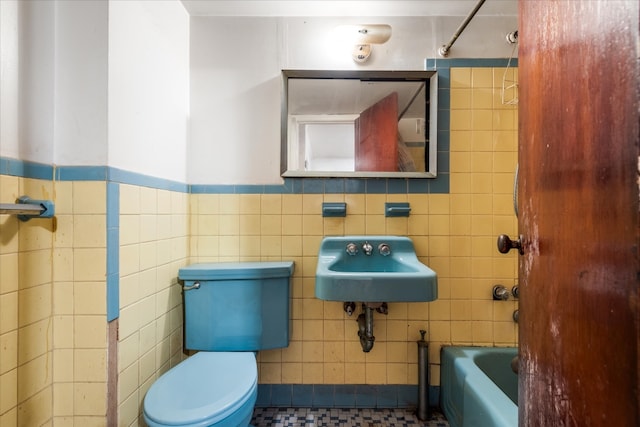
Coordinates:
505 244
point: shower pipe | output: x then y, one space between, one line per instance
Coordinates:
444 50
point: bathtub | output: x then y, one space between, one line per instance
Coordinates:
478 387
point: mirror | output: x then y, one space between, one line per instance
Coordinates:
359 124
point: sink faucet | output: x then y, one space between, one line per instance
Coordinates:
367 248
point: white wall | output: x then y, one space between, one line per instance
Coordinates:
80 102
96 82
235 101
53 82
236 85
9 79
32 92
148 87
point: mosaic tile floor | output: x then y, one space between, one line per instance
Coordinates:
304 417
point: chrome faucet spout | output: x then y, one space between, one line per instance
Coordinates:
367 248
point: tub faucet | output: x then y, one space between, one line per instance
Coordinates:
367 248
500 293
515 291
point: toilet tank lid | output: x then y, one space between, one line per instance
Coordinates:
236 270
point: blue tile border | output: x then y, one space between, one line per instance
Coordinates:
14 167
113 251
342 396
133 178
82 173
436 63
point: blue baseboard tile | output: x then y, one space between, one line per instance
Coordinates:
366 396
281 395
434 396
323 396
343 396
264 396
387 397
302 396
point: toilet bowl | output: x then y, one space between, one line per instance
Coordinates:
207 389
231 311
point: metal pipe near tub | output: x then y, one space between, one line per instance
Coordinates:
423 378
444 50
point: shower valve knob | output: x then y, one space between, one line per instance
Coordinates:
505 244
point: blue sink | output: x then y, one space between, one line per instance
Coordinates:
373 269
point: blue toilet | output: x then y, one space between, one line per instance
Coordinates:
231 310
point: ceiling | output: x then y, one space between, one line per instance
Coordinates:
348 8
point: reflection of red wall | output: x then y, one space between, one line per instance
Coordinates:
376 133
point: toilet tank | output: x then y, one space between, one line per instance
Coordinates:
236 306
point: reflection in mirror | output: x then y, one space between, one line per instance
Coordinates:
359 123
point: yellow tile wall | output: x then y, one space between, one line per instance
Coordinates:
25 309
154 236
453 233
79 304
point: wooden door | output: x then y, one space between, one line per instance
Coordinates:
578 212
376 136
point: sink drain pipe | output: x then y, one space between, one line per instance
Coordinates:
365 328
423 378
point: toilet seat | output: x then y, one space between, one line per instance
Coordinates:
205 389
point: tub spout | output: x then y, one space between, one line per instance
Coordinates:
365 328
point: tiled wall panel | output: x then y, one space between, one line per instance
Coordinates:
453 233
79 307
154 236
26 293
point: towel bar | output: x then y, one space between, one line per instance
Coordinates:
27 208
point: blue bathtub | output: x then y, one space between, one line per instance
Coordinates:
478 387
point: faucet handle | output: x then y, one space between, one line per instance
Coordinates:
352 249
500 293
515 291
384 249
